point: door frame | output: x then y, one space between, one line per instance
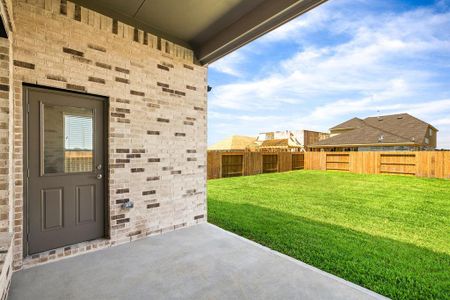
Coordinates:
25 109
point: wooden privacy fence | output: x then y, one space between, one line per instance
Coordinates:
242 163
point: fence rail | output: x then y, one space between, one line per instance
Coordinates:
435 164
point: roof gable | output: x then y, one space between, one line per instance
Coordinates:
352 123
275 143
281 143
235 142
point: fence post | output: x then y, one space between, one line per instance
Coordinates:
446 163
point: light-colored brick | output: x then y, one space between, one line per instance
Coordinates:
142 84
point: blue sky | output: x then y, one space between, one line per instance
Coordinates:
345 58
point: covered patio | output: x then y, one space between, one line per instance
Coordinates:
199 262
103 141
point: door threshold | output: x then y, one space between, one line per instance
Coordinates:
66 252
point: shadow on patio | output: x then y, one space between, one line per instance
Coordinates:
202 261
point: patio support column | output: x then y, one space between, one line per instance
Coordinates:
6 154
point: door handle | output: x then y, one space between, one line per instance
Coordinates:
99 176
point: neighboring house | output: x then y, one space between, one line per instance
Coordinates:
289 140
399 132
288 144
233 143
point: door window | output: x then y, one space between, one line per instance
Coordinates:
67 139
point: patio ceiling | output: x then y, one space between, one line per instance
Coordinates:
211 28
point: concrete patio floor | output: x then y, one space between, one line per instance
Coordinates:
200 262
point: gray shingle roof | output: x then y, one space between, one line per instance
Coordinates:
352 123
395 129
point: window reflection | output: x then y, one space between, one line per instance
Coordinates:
67 139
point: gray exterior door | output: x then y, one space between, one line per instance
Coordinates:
65 166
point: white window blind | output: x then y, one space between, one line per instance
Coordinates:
78 132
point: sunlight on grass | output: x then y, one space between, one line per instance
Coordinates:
387 233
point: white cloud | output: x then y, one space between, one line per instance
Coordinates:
362 65
425 110
384 62
230 64
227 124
258 95
311 21
443 121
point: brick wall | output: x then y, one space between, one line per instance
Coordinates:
6 153
157 112
4 136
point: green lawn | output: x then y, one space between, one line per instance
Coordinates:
390 234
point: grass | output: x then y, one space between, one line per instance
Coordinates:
390 234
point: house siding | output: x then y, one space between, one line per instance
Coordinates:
157 118
432 138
